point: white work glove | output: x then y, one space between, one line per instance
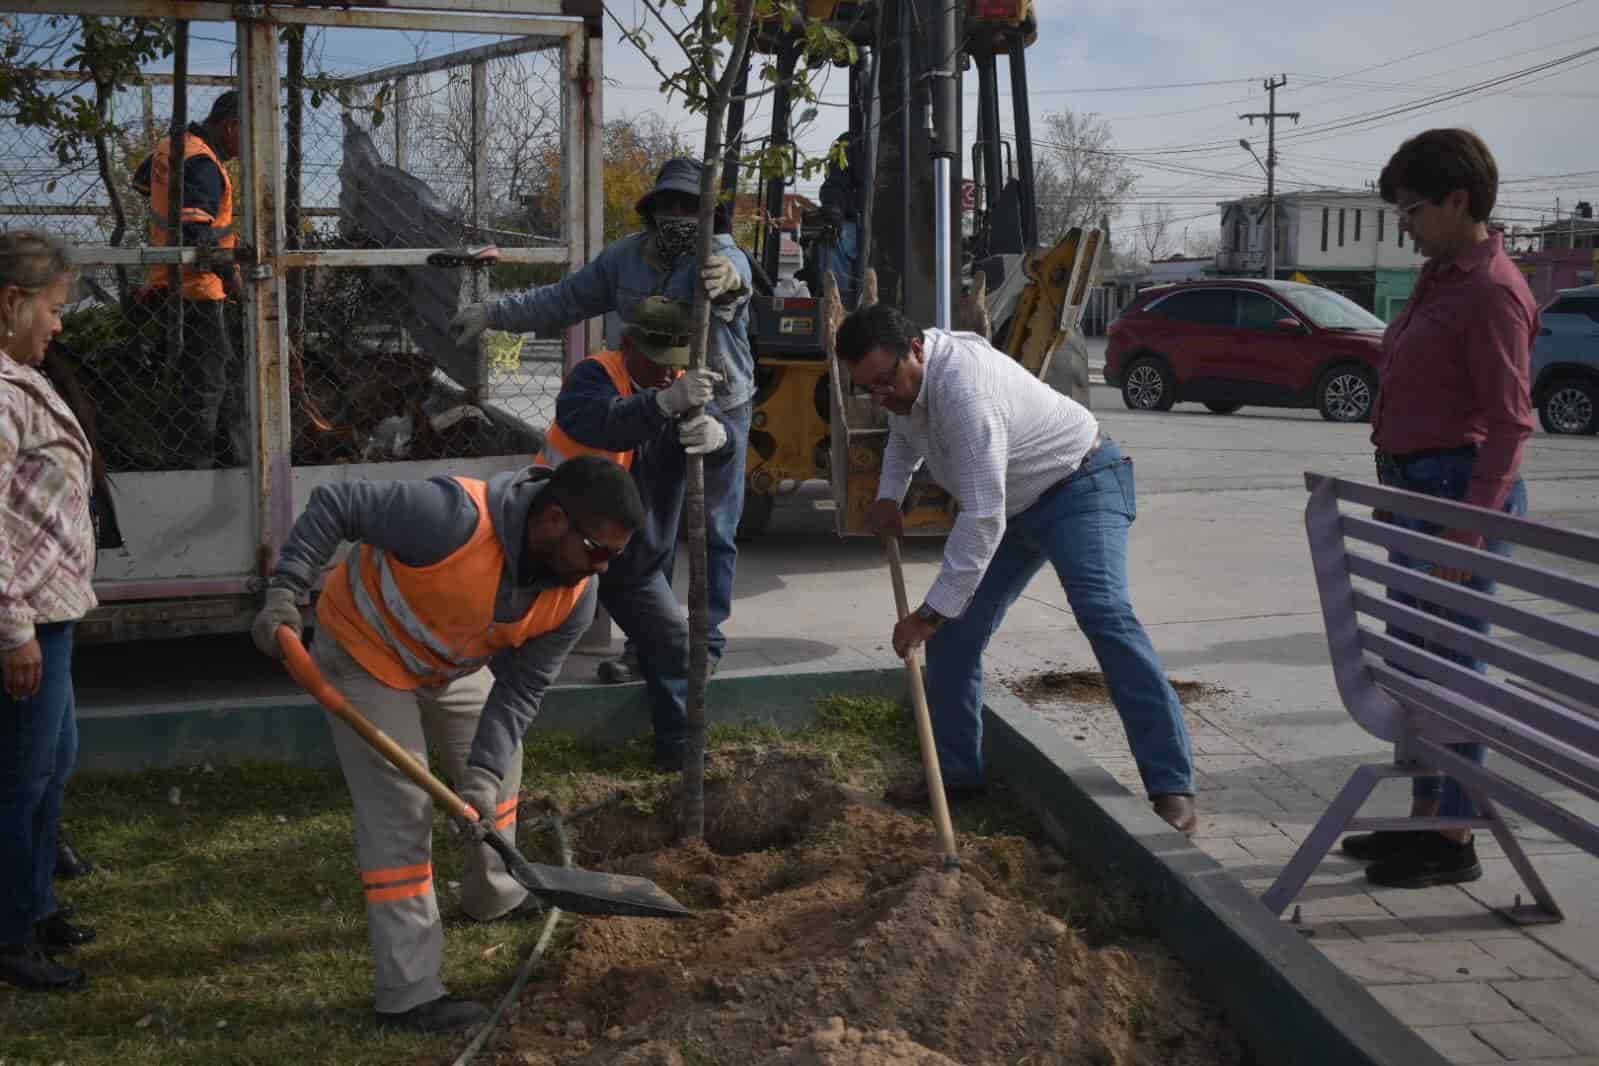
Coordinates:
469 323
720 277
694 389
280 610
701 435
480 788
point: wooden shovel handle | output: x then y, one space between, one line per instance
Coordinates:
300 666
924 719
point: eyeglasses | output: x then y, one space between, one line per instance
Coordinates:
883 383
1405 211
598 553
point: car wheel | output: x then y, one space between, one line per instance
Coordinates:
1148 386
1345 394
1223 408
1570 405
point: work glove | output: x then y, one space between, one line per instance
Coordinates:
701 435
469 323
480 788
694 389
280 610
720 277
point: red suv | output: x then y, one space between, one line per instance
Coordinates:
1229 343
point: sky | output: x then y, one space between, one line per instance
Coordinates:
1171 79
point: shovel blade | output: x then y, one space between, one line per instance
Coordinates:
587 891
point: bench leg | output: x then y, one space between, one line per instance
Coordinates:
1546 909
1347 804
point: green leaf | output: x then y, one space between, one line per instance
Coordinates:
807 116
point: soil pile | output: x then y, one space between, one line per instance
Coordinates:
1088 686
825 934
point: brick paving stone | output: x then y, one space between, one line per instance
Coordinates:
1522 1040
1462 1003
1392 963
1569 1008
1527 958
1458 1043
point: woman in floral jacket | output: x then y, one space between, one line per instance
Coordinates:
46 561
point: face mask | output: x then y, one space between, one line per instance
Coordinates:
676 236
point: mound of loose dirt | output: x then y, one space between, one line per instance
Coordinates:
1088 686
825 934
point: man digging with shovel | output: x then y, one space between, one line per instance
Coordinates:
451 615
1036 482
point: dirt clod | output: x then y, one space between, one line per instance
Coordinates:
1088 686
839 1045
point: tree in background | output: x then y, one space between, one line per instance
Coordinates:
634 147
1154 231
1080 177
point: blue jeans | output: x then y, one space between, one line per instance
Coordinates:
38 748
647 611
1446 475
724 504
1080 527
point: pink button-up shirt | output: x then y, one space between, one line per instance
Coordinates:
1456 368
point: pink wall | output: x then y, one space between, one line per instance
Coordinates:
1548 272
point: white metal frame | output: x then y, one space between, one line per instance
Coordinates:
264 259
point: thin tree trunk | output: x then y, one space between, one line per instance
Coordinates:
691 813
102 154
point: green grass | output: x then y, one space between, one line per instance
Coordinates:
232 927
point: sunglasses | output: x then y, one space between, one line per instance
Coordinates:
598 553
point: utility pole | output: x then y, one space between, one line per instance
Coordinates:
1271 115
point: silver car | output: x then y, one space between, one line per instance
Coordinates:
1565 362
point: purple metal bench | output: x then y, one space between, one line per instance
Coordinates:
1538 706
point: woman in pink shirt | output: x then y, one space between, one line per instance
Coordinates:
46 561
1453 414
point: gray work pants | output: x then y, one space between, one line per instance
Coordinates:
394 821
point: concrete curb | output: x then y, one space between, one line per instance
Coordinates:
1287 1001
294 730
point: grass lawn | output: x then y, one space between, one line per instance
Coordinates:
231 922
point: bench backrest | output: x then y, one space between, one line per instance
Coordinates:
1539 702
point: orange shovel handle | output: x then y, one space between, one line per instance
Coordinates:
300 666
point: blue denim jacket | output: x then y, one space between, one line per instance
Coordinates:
620 276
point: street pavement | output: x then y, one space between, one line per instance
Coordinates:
1221 579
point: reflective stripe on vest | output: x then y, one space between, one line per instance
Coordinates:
197 284
559 445
414 626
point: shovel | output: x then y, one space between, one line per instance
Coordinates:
577 891
924 720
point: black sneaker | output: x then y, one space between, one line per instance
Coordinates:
1375 847
1434 861
56 932
27 966
442 1015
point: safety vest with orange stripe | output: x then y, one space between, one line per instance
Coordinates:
559 445
197 284
415 626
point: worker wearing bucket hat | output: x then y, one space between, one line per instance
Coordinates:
659 261
625 405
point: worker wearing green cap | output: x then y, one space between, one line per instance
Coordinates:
628 406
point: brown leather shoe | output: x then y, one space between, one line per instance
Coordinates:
1178 810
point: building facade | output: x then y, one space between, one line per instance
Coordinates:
1349 242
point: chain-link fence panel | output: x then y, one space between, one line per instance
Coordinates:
400 142
445 151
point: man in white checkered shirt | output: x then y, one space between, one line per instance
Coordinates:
1036 482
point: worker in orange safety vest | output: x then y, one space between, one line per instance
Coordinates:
444 625
209 362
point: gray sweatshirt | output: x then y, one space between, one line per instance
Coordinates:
421 523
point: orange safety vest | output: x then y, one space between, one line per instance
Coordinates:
197 284
560 446
415 626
